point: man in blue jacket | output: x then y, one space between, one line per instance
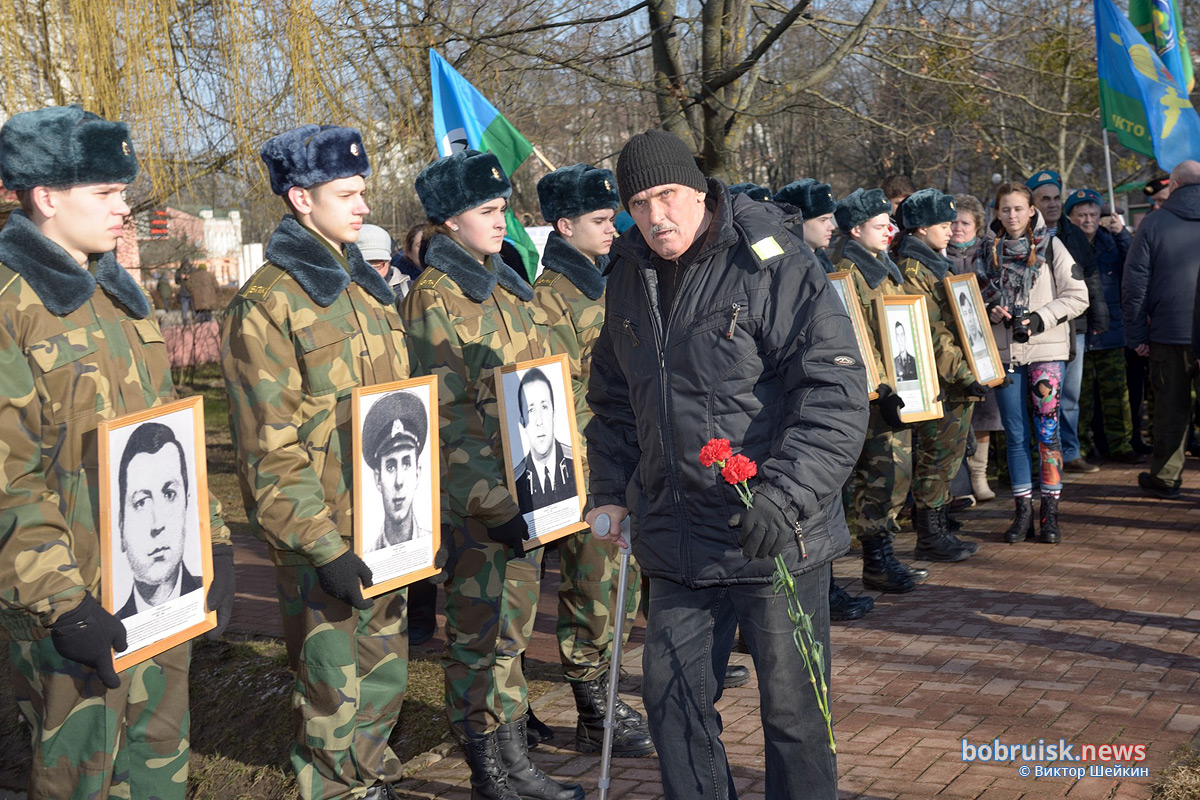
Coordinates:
720 324
1160 290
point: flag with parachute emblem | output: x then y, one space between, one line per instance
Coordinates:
1159 24
1139 100
463 118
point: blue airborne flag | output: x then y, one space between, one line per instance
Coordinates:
1139 100
463 118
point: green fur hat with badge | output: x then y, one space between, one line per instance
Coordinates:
926 207
459 182
575 190
64 146
859 206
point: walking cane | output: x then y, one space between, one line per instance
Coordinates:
603 526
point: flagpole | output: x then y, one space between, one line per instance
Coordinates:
1112 200
543 159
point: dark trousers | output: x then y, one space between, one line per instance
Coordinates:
689 634
1172 375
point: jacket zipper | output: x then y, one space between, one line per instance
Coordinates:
799 531
737 307
629 330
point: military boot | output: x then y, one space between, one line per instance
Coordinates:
843 607
918 574
631 735
1048 530
880 572
1022 527
971 547
489 778
934 542
524 778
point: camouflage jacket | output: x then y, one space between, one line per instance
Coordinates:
304 331
70 356
873 277
463 320
923 270
570 291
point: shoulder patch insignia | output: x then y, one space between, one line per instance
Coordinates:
845 361
912 271
429 279
261 282
766 248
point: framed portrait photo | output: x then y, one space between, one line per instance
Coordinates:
397 481
541 446
843 286
908 355
155 539
974 328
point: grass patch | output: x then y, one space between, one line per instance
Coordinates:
1179 780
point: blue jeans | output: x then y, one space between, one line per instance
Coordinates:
689 635
1068 409
1041 382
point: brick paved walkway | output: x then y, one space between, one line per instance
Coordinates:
1093 641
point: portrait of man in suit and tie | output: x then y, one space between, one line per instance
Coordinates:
546 475
155 496
906 364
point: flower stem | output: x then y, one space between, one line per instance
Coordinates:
802 634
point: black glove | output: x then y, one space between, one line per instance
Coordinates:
88 634
1022 331
340 579
1007 382
890 404
512 534
765 529
220 591
977 389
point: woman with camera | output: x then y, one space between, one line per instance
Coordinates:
1032 293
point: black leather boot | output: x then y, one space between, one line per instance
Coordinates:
1022 527
524 778
918 574
934 542
489 778
1048 530
536 731
971 547
880 572
843 607
631 735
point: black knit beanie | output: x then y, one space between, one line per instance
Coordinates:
656 158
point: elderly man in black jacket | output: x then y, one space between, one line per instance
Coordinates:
721 324
1159 291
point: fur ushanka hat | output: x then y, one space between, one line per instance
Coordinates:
64 146
578 189
460 181
313 154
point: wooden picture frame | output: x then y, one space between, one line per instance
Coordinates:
908 355
397 481
843 286
976 340
558 512
155 534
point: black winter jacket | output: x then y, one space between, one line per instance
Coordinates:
757 350
1097 317
1159 288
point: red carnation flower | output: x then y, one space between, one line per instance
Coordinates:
739 468
716 450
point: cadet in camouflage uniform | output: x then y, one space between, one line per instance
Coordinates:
925 218
817 204
79 344
313 323
580 202
882 476
467 314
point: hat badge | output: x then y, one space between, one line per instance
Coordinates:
607 185
354 148
126 149
397 428
496 174
1045 176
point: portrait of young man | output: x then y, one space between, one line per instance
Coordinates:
906 364
546 475
394 434
154 492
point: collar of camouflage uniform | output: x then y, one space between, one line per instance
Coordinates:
562 258
475 280
298 252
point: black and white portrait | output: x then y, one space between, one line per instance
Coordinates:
539 434
975 340
546 475
156 520
904 360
